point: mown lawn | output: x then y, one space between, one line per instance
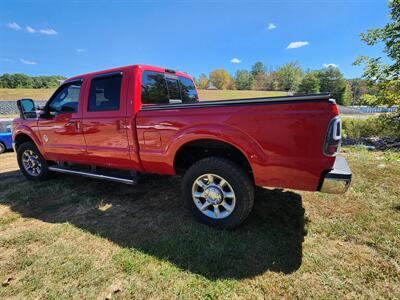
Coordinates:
80 238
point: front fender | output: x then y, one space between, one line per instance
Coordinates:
31 133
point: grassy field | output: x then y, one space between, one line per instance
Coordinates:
35 94
44 94
80 238
223 95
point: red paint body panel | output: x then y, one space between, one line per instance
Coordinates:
283 142
64 135
106 132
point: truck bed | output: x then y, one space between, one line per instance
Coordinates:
282 137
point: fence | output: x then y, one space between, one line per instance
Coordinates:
10 107
374 109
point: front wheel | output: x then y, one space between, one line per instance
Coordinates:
2 148
218 192
31 163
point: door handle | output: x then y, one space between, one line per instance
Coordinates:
76 124
121 125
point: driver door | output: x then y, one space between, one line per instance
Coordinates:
61 127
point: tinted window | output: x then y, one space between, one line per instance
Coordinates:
105 93
173 89
67 97
188 90
154 88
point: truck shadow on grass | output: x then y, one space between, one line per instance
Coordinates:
150 218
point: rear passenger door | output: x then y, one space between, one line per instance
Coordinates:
104 120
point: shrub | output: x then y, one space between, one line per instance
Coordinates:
385 125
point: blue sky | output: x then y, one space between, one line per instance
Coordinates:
73 37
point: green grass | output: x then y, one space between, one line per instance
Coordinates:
73 237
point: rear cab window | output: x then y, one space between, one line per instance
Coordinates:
160 88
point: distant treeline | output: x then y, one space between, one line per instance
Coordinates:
13 81
293 79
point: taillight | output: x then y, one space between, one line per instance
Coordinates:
333 137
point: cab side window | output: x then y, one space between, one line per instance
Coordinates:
154 88
188 90
173 89
105 93
161 88
66 99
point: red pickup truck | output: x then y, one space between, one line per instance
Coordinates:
118 123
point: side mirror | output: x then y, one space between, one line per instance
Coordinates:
26 108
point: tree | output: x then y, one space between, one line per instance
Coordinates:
385 77
289 76
347 95
258 73
243 80
368 99
332 81
220 79
14 81
359 87
203 82
257 68
195 80
271 82
309 84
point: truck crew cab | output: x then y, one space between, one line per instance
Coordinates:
117 123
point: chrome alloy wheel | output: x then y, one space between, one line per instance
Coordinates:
31 163
213 196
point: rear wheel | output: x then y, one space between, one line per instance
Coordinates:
31 162
218 192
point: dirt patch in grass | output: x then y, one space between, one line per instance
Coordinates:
72 237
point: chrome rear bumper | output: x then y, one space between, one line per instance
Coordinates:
338 180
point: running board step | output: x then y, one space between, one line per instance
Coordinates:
131 180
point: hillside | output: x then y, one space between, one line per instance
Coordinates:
44 94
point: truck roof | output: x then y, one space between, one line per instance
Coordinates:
140 66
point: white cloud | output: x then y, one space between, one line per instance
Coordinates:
294 45
48 31
271 26
27 62
80 50
14 26
30 29
330 65
236 60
